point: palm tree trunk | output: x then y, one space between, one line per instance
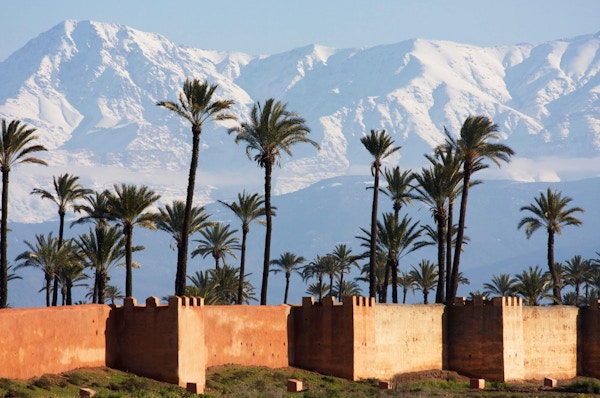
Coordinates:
394 282
448 265
461 231
96 282
4 243
287 289
268 216
404 291
182 252
55 289
386 281
242 267
425 294
48 287
552 268
101 289
128 230
441 224
373 242
331 285
69 284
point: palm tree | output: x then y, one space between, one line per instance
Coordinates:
66 192
44 255
16 146
500 285
550 211
407 283
197 106
113 293
317 290
346 289
219 286
70 271
94 209
532 285
473 147
248 208
316 269
380 271
218 241
128 206
424 277
102 250
577 272
287 262
170 220
344 259
398 187
380 146
395 238
271 130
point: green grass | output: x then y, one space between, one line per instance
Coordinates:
251 382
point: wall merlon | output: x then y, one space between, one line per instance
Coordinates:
129 303
359 301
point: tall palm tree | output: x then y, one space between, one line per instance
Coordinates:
551 212
272 129
197 106
128 206
170 220
577 272
424 277
44 255
379 145
218 241
500 285
102 250
17 145
287 263
66 192
398 187
532 285
248 208
473 146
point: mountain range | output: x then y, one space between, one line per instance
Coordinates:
90 89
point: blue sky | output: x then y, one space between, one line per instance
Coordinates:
272 26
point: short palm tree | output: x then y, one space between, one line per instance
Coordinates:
197 106
473 146
577 272
345 260
407 283
248 208
272 129
552 212
113 293
70 271
44 255
424 277
218 241
66 192
532 285
316 269
500 285
94 209
101 250
170 220
346 289
128 205
17 145
379 145
287 263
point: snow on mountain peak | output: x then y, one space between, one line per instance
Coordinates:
90 88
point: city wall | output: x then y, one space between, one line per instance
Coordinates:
497 339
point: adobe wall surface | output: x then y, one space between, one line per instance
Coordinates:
550 342
36 341
475 339
590 341
406 338
513 338
248 335
324 337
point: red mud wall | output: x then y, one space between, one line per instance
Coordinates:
36 341
590 341
247 335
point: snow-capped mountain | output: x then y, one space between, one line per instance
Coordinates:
91 89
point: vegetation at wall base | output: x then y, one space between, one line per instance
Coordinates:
250 382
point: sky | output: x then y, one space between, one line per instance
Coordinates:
267 27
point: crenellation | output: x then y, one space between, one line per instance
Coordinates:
129 303
152 302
